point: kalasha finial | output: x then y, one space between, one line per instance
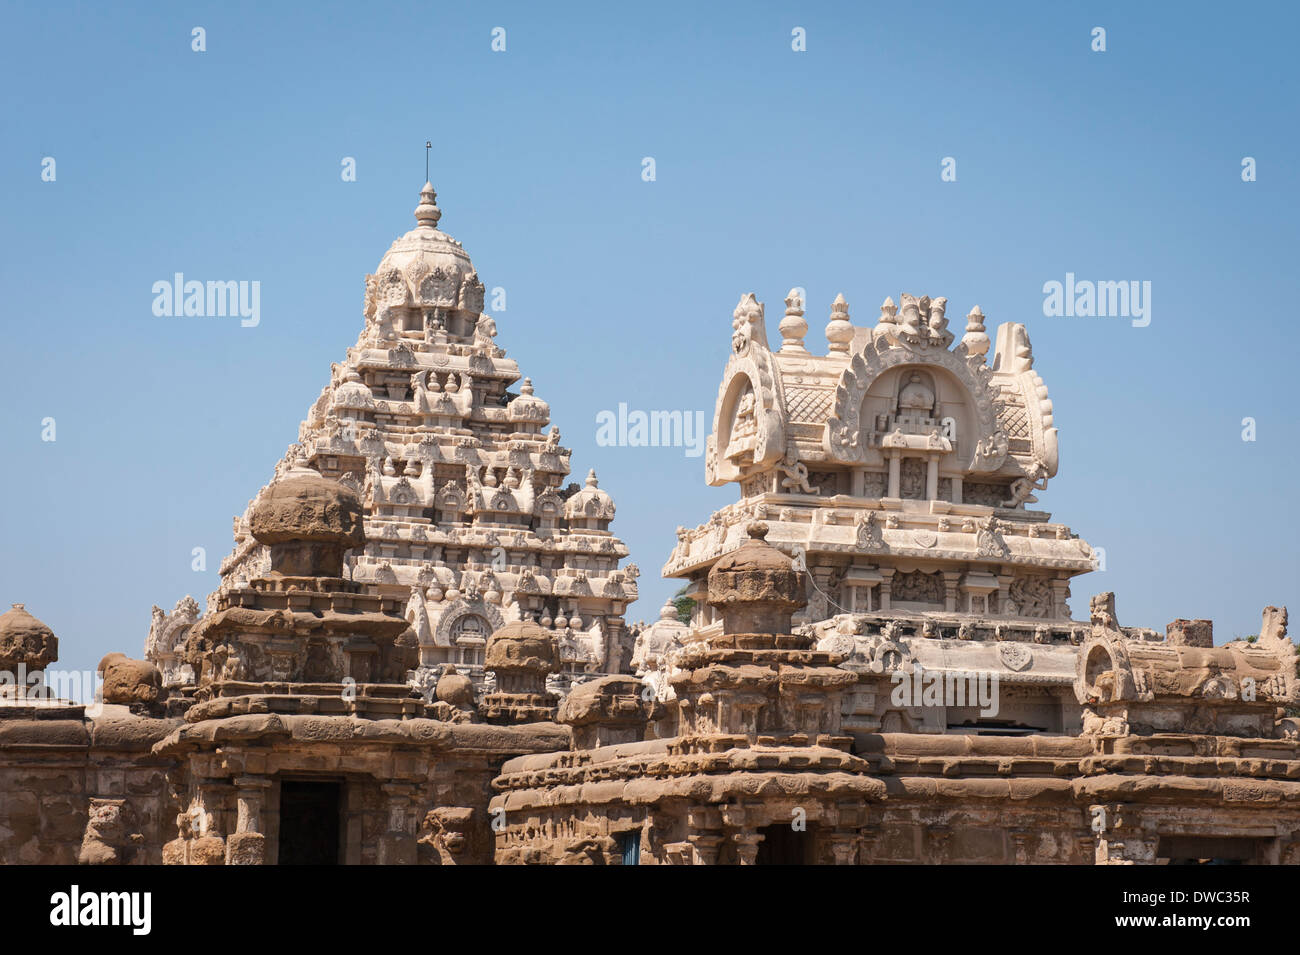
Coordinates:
793 326
757 530
839 330
591 478
427 212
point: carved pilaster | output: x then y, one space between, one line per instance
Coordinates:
398 845
886 587
705 846
844 847
747 841
247 845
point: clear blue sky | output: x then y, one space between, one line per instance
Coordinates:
774 169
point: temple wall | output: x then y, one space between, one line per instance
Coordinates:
76 788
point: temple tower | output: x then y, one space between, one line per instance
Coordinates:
467 517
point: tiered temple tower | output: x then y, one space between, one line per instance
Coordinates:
468 521
897 468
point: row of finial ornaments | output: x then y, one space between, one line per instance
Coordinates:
922 320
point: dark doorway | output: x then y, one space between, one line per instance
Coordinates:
1207 850
309 822
784 845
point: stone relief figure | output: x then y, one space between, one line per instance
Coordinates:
912 479
1274 625
485 333
911 317
746 320
1102 612
794 475
1022 489
108 839
990 452
1032 596
744 427
919 586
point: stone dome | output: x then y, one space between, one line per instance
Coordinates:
590 502
755 554
304 506
756 587
522 645
528 407
352 392
455 689
427 267
25 640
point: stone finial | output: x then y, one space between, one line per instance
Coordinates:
839 330
25 641
427 212
888 316
521 655
756 587
1190 633
976 338
134 683
309 522
455 689
608 710
793 326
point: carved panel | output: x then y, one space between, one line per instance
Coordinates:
990 495
1032 596
875 484
912 479
918 587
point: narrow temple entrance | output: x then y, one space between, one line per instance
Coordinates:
310 819
783 845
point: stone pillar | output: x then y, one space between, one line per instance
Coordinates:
951 590
885 587
703 824
747 841
956 489
705 846
209 805
1060 608
1004 582
932 478
1132 847
895 468
247 846
397 846
869 838
844 847
1020 845
1120 838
